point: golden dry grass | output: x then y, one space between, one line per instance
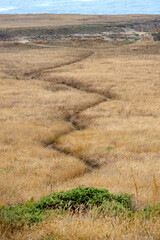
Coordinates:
32 115
123 132
90 227
115 95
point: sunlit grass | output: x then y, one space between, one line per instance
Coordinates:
113 99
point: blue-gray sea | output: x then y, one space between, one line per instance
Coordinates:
80 6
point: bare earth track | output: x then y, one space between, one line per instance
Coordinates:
72 119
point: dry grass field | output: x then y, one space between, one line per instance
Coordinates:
80 114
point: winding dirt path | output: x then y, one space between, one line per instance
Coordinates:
91 165
37 73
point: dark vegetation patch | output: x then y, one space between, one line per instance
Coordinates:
56 32
50 33
33 212
156 36
80 198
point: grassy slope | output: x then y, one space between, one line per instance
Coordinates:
114 96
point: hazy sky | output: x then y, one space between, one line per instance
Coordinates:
80 6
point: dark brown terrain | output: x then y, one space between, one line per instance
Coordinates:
49 27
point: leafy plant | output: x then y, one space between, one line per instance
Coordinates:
34 212
82 198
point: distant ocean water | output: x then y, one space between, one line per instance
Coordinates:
80 6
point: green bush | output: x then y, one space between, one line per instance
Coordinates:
82 198
34 212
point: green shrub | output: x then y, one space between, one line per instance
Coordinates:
82 198
34 212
